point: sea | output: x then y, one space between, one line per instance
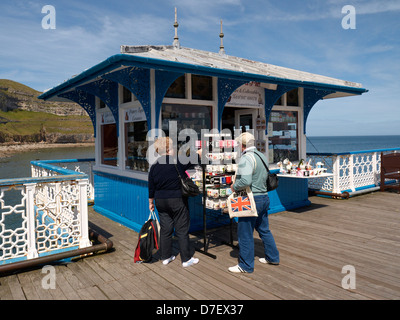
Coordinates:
18 164
345 144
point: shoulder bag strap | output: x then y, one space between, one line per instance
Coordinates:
177 170
251 156
262 162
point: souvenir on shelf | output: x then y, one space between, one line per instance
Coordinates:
302 169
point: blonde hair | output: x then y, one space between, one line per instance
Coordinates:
163 145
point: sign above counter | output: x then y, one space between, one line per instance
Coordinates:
251 94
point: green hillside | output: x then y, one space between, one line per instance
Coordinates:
24 118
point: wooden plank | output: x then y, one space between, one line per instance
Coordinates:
27 286
181 281
110 292
16 289
5 292
64 285
122 291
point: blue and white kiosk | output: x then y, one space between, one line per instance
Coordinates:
145 87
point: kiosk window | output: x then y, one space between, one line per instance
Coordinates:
126 95
202 87
177 89
293 97
186 116
135 127
136 146
283 142
109 144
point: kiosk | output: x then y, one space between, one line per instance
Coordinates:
147 87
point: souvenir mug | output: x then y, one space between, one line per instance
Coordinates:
216 205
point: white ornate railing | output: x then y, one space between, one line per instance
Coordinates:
352 172
52 167
45 214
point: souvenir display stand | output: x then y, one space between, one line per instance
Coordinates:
214 177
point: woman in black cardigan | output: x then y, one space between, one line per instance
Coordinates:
173 211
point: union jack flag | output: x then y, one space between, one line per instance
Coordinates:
240 204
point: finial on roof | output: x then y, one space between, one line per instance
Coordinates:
176 44
221 47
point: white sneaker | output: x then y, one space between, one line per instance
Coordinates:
166 261
263 260
190 262
236 269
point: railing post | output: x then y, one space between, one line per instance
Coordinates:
375 168
30 212
336 174
83 210
351 172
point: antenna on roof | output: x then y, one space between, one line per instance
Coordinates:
221 47
176 44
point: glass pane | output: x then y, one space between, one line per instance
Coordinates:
177 89
284 140
109 148
186 116
293 98
246 122
201 87
126 95
136 145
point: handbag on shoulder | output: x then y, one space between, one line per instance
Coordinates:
189 188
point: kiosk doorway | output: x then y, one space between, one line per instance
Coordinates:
239 118
245 119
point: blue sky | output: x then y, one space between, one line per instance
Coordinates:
305 35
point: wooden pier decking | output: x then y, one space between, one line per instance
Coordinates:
315 243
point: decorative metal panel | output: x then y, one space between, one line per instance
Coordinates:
136 80
225 88
107 91
163 80
13 223
86 100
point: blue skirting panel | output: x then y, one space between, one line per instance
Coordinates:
122 199
292 193
125 200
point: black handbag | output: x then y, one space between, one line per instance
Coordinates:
189 188
272 179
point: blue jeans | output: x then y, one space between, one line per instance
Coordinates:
245 231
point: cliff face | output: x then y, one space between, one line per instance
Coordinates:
14 95
25 118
